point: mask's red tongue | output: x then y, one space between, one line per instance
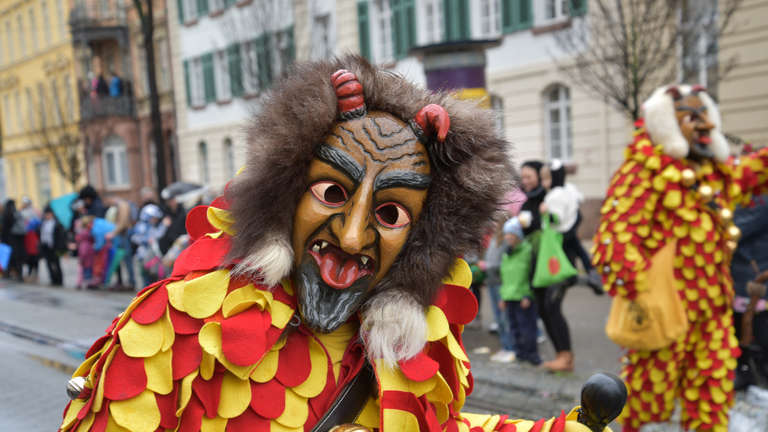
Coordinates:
336 273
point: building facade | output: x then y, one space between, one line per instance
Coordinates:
114 96
542 111
41 146
225 54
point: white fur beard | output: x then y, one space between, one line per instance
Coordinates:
394 327
272 260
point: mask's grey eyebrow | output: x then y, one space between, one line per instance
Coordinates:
406 179
700 109
342 161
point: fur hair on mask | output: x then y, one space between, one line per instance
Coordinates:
662 126
471 171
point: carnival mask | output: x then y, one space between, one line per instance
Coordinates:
367 186
695 124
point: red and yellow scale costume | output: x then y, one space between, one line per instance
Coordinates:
208 351
648 204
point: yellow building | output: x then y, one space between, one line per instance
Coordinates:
38 100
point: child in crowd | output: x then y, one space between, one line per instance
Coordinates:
146 235
85 253
516 292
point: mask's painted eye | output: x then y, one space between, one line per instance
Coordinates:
329 193
392 215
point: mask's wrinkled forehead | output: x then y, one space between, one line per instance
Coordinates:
377 142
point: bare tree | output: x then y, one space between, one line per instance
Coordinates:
59 134
265 51
145 13
623 49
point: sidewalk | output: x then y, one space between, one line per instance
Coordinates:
55 326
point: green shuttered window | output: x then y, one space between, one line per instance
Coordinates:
363 27
202 7
208 78
403 26
180 4
516 15
187 83
264 58
456 19
235 70
578 7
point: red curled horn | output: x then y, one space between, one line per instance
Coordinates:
698 88
674 92
433 120
349 92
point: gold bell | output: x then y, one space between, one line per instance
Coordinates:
726 215
731 245
706 192
734 233
349 427
688 177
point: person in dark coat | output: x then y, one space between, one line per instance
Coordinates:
93 204
13 233
53 241
753 222
530 179
174 220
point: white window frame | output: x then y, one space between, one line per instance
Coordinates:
229 157
563 125
486 18
216 5
432 24
7 114
279 41
249 63
115 146
69 99
62 18
33 29
382 43
20 29
197 82
9 40
30 110
56 103
221 76
42 104
542 10
203 161
47 41
190 10
321 36
19 115
43 179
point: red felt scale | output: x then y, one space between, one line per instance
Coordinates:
244 336
125 377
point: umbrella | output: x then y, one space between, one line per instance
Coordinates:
186 193
62 209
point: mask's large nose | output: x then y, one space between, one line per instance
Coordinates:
354 229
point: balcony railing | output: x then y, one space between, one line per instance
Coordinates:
95 105
93 108
91 13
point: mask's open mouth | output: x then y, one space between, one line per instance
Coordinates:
337 268
701 146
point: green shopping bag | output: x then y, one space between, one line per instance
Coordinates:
552 266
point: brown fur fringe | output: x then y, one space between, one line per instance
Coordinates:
471 169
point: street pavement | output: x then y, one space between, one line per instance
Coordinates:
45 331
